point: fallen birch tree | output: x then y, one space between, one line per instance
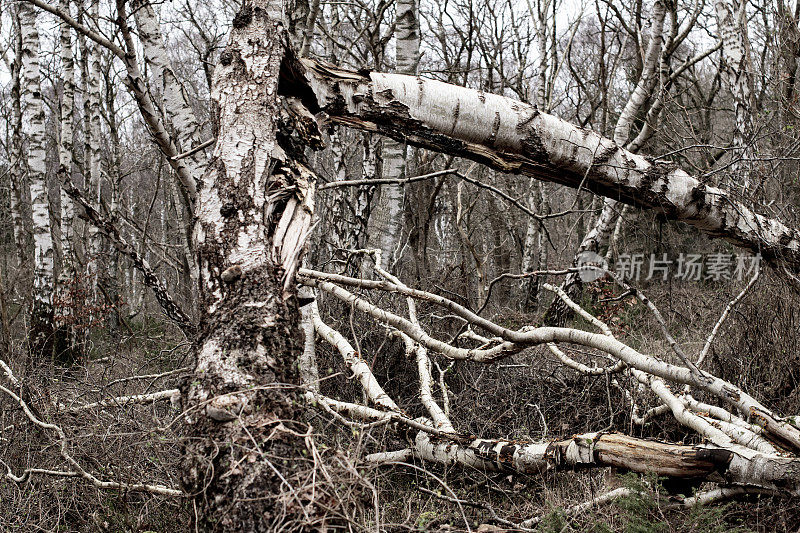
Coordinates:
515 137
748 446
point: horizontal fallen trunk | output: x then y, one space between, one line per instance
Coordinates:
735 465
515 137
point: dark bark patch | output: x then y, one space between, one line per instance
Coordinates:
228 209
698 195
495 129
719 458
456 114
243 17
535 149
605 155
292 81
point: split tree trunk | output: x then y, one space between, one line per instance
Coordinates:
245 419
515 137
735 465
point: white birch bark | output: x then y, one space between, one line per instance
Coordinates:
65 335
648 78
534 253
439 418
515 137
340 210
90 58
34 119
732 464
514 341
738 72
175 100
137 87
358 366
599 234
387 227
253 215
20 180
65 147
185 241
110 275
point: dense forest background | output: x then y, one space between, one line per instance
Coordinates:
114 124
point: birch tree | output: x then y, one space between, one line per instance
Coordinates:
92 160
175 100
43 277
645 99
20 180
254 212
387 227
65 336
737 68
535 247
493 129
244 463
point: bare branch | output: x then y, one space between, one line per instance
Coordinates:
124 401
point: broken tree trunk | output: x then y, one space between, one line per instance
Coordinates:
735 465
515 137
247 435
